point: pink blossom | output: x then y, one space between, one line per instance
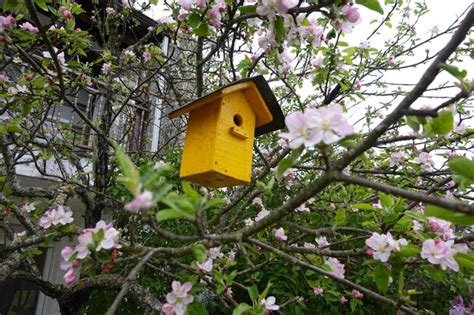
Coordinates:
269 8
461 129
146 56
269 304
67 14
317 62
417 225
258 201
71 266
380 245
395 244
364 44
186 4
84 240
391 60
357 85
440 253
60 57
318 291
328 125
201 3
316 125
351 13
215 253
337 268
4 78
142 201
70 277
206 266
280 234
164 19
6 22
105 68
396 158
285 58
27 26
262 214
322 241
29 207
182 14
248 221
302 208
434 30
357 294
179 297
216 13
352 18
229 292
267 40
56 217
109 240
231 255
424 159
109 10
168 309
254 57
343 300
441 227
309 245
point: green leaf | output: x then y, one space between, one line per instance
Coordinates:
131 177
196 308
10 5
189 191
445 214
241 309
443 123
340 217
386 200
202 30
288 162
169 214
253 293
454 71
363 206
265 292
246 9
194 20
465 260
42 4
279 29
381 277
373 5
200 252
413 123
409 251
462 166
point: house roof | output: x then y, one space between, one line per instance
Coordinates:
262 87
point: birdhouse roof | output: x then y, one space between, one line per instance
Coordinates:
255 84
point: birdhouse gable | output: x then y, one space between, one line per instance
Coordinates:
258 94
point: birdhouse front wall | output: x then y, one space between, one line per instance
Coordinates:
219 142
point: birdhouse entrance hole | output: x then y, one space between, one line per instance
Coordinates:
237 120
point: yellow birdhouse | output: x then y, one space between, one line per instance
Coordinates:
221 128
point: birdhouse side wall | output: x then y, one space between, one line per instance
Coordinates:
200 141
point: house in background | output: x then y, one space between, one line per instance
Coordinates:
19 297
